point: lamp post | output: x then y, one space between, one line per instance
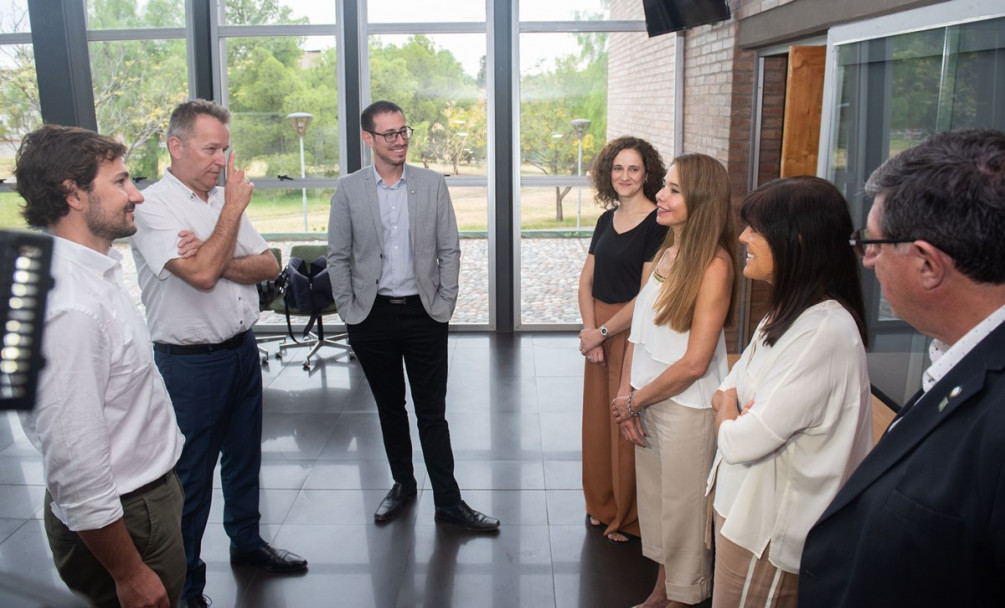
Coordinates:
300 120
579 127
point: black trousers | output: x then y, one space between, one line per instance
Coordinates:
403 332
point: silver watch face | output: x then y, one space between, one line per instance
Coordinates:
603 330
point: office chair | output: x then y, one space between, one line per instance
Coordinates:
316 340
264 306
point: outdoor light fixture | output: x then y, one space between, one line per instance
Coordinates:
300 121
579 127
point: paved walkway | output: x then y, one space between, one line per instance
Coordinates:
549 273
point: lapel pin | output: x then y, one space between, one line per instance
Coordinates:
952 394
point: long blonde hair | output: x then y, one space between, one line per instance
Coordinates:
708 228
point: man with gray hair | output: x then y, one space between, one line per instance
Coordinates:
921 522
198 259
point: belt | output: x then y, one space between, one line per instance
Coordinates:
200 349
399 300
147 487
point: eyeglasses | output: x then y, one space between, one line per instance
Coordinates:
392 136
860 238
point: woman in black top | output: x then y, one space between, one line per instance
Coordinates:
626 174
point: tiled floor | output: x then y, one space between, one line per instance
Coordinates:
514 411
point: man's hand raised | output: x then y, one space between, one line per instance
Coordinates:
238 187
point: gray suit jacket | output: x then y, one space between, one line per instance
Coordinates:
355 238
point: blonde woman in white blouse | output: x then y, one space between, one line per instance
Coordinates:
793 417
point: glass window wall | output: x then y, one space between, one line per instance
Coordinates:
891 92
563 124
270 78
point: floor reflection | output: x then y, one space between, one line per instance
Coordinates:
514 412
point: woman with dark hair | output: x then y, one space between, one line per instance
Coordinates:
627 174
675 360
794 416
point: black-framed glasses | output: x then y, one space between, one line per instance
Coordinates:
392 136
860 238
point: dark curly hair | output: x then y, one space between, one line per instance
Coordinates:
600 174
51 155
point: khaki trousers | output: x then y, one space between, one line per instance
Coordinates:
671 475
742 580
154 523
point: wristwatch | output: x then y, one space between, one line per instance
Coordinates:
603 331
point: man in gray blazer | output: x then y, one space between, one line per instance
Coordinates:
394 258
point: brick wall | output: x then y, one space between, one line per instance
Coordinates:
640 89
708 65
718 98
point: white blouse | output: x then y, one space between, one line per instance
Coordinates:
658 346
779 465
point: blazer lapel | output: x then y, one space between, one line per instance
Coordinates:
964 381
370 191
410 177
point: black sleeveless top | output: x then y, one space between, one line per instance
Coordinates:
618 258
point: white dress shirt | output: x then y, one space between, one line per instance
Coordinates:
945 357
103 419
397 276
779 465
177 312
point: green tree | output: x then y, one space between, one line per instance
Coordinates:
574 87
442 102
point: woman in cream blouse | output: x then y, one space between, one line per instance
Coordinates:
794 415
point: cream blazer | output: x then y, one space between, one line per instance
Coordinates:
779 465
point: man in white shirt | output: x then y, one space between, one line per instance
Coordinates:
103 419
198 259
921 522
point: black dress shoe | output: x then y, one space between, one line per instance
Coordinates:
197 602
270 560
463 515
393 502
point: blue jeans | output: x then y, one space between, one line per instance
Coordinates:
217 399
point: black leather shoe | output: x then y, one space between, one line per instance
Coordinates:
196 602
269 559
393 502
463 515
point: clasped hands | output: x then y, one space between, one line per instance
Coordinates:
629 423
590 341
